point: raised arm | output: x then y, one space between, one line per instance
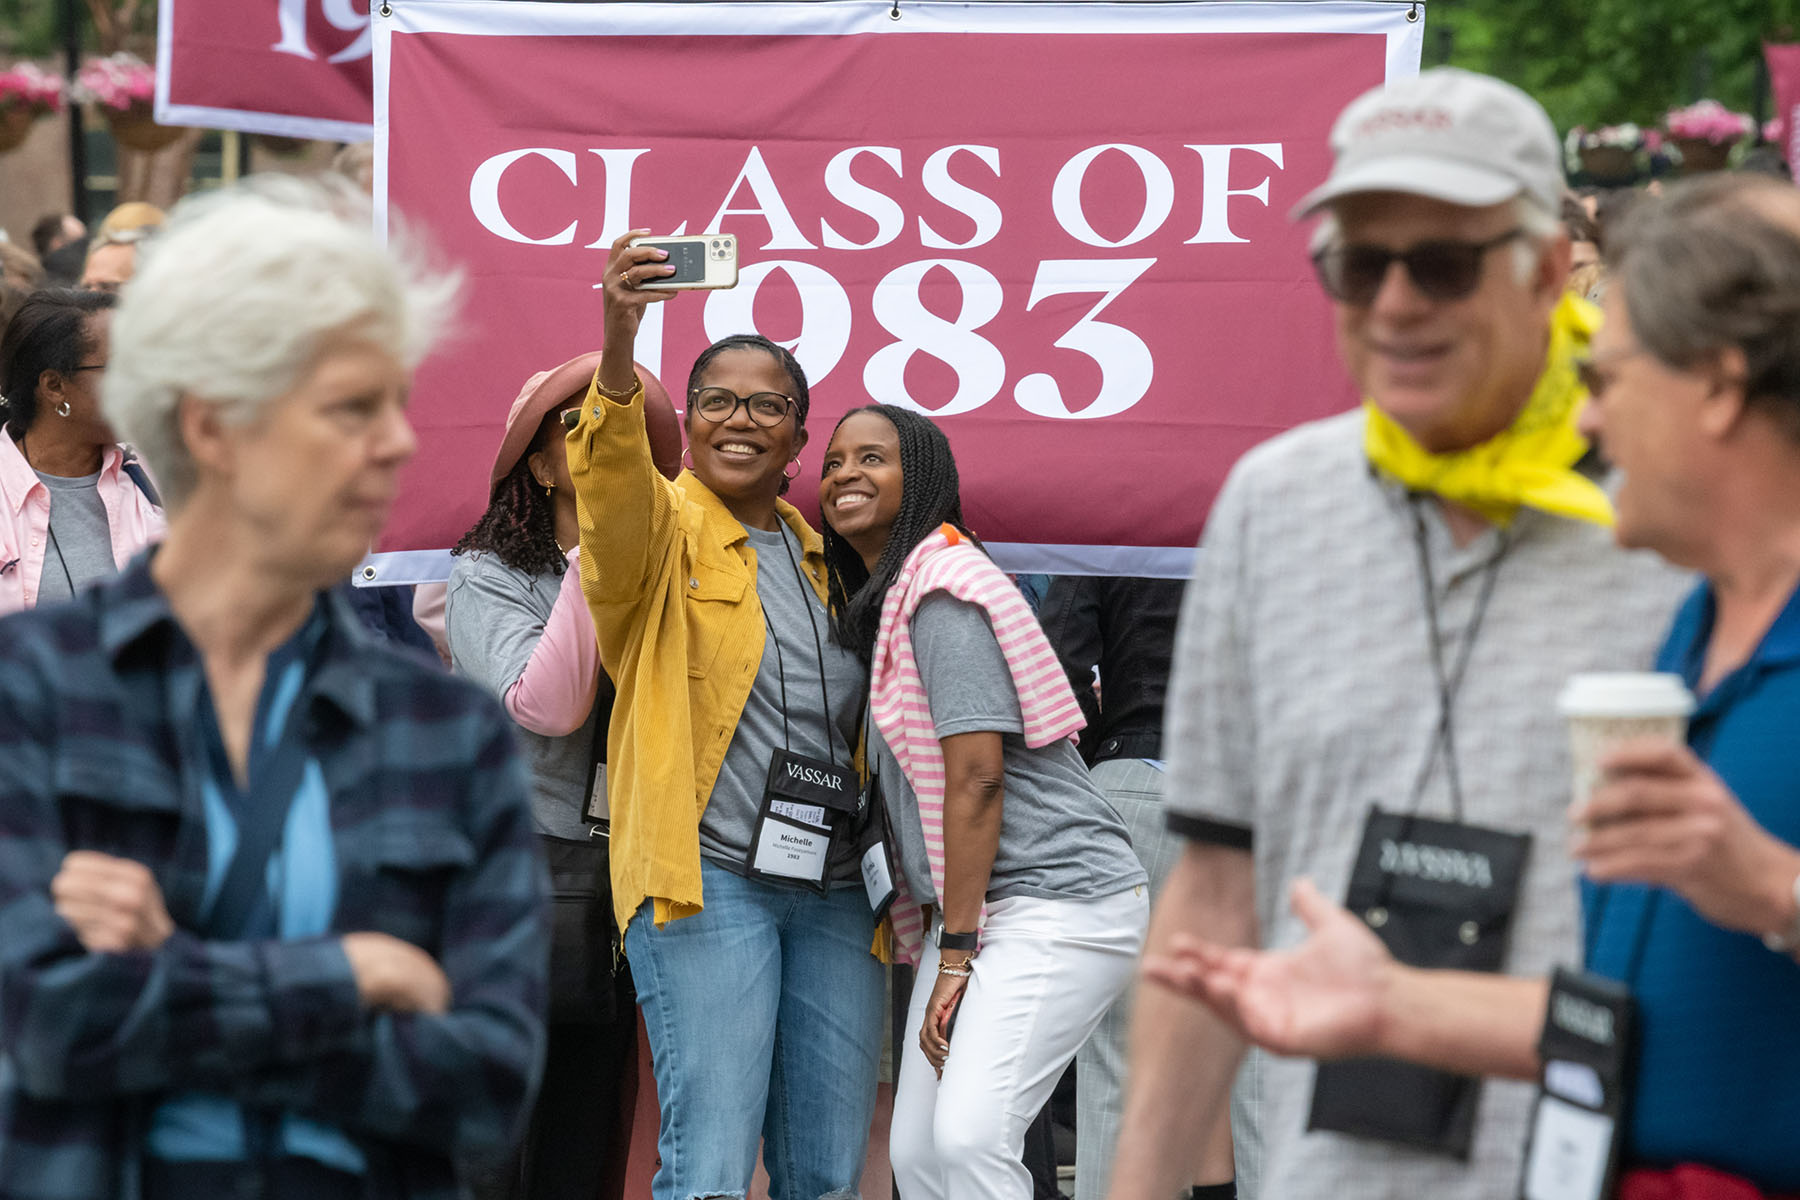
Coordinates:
624 508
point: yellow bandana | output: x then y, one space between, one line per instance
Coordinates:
1531 462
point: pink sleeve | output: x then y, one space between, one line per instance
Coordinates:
556 690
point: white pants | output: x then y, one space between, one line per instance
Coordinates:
1047 972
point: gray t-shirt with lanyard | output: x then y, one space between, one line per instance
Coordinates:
80 549
797 633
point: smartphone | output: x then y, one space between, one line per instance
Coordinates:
702 262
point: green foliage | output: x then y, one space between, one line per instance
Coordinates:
1595 62
29 29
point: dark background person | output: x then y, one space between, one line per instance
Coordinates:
517 625
1124 630
73 507
759 988
1691 853
53 231
275 923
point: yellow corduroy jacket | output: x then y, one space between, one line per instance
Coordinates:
669 577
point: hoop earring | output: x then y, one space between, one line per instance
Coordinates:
793 462
687 458
63 409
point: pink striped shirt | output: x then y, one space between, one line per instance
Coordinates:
946 561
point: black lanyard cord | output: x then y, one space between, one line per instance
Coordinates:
806 597
1448 685
1640 936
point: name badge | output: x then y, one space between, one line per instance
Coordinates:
1576 1126
805 803
877 852
597 809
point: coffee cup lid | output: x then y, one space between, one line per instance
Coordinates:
1625 694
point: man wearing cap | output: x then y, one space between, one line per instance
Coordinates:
1384 608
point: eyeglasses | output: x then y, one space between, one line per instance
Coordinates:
1593 374
716 404
89 367
1441 269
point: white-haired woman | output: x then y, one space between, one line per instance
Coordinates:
274 920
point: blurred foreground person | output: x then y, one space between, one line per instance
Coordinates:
1386 605
74 504
1692 889
273 920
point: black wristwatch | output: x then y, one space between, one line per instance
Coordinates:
958 941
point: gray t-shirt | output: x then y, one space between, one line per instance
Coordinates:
800 627
80 549
1302 693
493 618
1059 838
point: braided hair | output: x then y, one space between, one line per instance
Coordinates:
930 496
784 358
519 526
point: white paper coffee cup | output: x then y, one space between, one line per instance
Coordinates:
1604 708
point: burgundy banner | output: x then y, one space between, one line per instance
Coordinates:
296 68
1784 81
1059 229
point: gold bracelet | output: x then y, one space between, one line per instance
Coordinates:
618 397
957 972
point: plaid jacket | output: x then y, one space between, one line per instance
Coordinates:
434 845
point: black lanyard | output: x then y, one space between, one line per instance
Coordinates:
1449 684
807 595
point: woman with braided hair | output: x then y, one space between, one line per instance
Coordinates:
516 624
1011 862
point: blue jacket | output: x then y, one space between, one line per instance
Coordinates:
433 840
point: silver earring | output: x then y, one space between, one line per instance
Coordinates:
62 410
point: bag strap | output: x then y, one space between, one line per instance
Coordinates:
132 467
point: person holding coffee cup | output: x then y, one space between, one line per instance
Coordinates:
1690 850
1386 603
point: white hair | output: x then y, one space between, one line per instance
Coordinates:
1538 224
239 295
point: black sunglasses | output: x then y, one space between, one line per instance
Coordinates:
1440 270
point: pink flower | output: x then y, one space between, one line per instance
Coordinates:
1710 121
120 81
28 86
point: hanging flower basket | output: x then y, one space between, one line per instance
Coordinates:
1607 155
27 92
123 86
15 127
136 129
1705 132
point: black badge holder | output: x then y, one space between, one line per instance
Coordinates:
874 842
806 801
1439 894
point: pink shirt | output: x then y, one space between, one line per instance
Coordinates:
25 521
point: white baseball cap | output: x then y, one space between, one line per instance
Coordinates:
1447 134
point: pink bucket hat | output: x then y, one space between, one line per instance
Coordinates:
548 391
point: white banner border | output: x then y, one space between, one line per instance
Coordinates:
239 120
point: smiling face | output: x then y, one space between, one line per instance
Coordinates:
862 483
741 462
1452 372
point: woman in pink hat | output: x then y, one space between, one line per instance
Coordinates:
515 622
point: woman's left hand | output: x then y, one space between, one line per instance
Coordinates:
934 1034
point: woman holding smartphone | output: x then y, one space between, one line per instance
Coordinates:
990 810
731 775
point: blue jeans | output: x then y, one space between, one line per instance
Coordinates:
764 1015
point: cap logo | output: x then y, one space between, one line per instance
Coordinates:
1397 120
